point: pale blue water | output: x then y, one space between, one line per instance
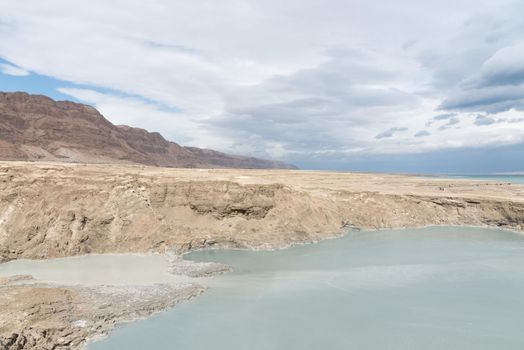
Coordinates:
434 288
518 179
96 269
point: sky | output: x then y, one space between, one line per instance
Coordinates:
367 85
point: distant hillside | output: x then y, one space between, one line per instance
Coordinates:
34 127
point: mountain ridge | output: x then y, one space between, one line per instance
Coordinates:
38 128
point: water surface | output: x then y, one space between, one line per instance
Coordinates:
434 288
96 269
518 179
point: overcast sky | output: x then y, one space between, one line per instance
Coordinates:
352 84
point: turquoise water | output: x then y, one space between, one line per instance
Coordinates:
519 179
434 288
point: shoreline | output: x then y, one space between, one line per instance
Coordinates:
74 316
162 296
344 234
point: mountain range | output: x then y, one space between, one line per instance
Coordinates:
37 128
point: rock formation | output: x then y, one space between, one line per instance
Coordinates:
55 210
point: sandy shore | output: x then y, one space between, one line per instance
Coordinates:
56 210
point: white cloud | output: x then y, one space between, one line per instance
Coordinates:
9 69
277 79
176 126
505 67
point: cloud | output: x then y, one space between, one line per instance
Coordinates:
444 116
9 69
496 87
127 110
422 133
484 120
487 120
505 67
449 118
322 108
440 117
390 132
490 99
292 80
451 121
484 73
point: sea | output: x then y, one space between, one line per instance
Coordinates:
432 288
518 179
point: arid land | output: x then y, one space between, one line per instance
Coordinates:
50 210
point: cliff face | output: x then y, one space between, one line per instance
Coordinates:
50 210
37 128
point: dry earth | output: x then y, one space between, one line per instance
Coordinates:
53 210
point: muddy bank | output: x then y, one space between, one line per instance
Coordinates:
48 316
53 312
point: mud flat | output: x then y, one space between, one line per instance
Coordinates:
73 301
51 210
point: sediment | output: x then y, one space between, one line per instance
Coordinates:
49 317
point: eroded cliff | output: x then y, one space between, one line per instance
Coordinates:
54 210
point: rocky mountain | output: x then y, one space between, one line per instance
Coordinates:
34 127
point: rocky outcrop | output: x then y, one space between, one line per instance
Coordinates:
36 128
